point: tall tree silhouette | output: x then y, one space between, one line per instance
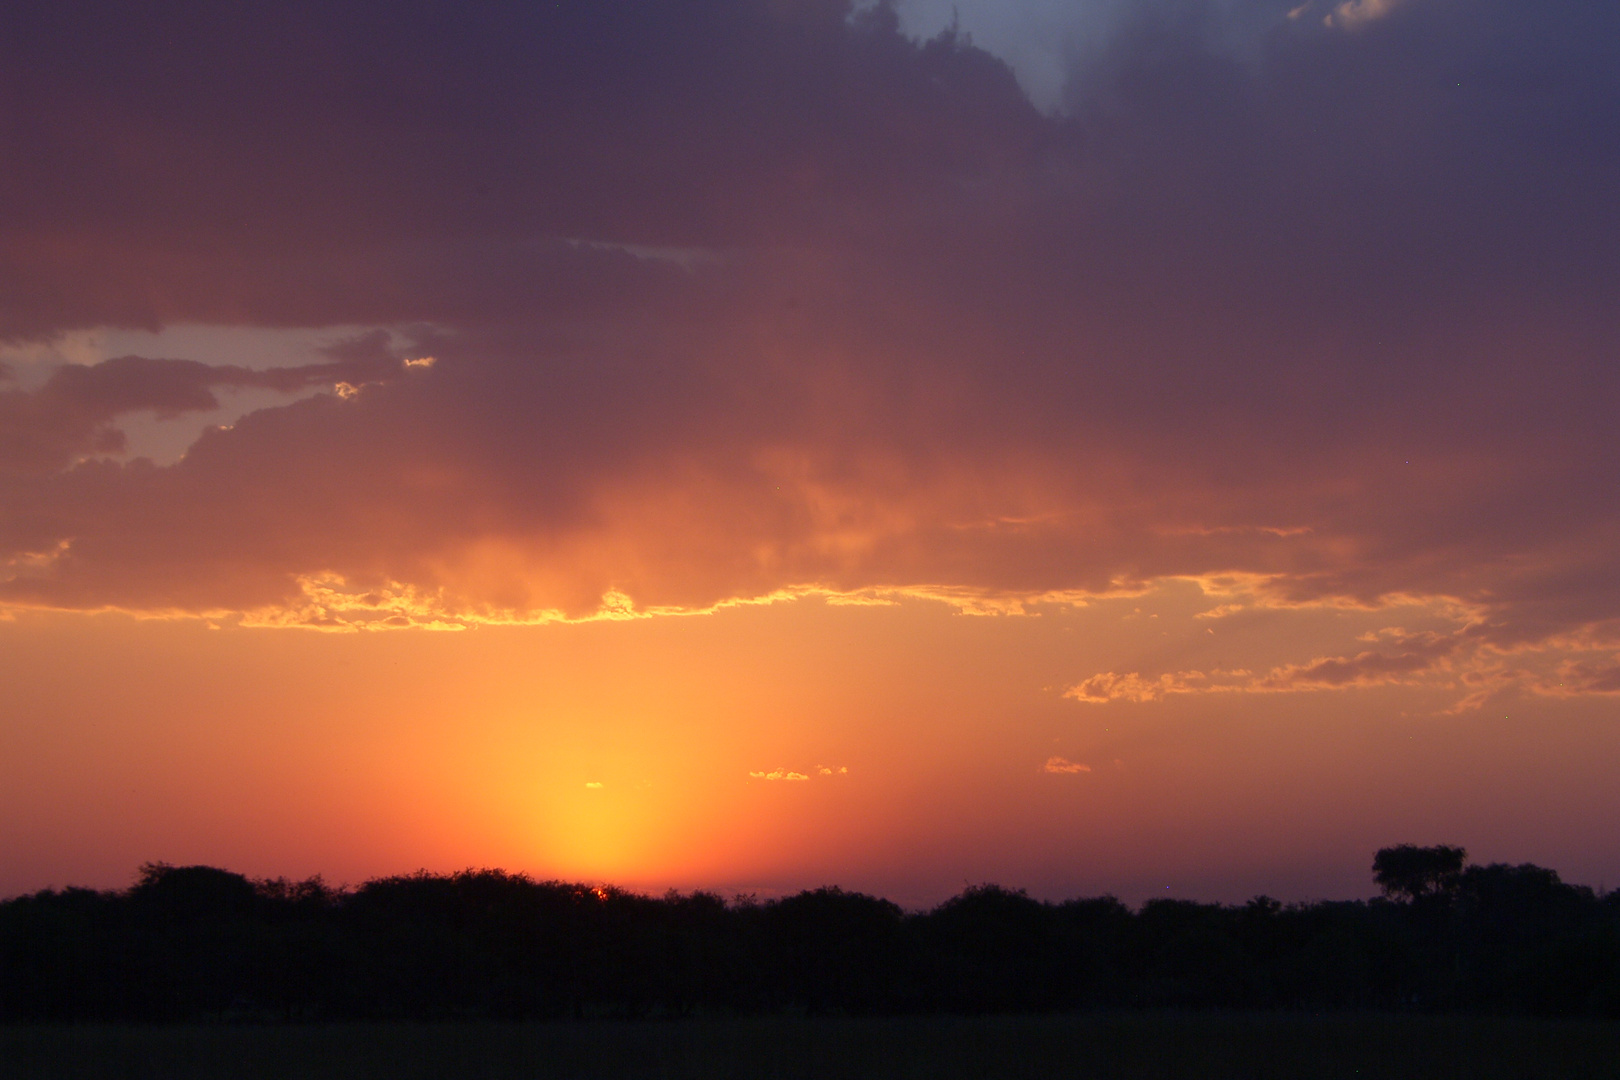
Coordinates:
1408 872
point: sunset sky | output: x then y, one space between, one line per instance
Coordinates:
1158 447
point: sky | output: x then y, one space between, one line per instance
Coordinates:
1159 448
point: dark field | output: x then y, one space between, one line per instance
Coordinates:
1116 1047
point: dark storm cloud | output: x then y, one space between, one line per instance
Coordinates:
729 297
171 145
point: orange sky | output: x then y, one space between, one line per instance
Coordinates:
758 445
291 752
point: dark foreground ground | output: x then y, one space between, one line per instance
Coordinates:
1115 1047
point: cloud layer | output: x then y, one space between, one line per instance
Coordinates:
734 299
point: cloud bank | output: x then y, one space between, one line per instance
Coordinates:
736 300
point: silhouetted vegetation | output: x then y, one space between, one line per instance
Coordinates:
197 944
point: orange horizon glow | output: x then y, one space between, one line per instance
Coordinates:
662 753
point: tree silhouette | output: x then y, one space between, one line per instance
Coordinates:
1407 871
196 943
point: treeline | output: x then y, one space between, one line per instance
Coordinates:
198 943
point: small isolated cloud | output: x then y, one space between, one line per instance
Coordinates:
1114 686
1055 764
789 774
593 783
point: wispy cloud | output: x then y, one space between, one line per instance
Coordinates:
1353 13
1465 663
814 772
779 774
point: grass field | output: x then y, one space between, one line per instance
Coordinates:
1113 1047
